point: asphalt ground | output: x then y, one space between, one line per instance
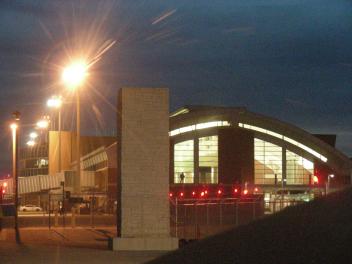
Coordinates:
65 245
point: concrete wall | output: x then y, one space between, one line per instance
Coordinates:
66 151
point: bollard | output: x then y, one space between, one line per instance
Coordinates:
73 217
56 219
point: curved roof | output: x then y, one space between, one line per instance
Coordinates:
292 136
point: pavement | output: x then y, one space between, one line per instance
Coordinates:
66 245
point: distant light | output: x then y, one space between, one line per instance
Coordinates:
30 143
170 194
219 192
331 175
43 123
315 179
54 102
202 194
193 193
3 191
245 192
255 189
181 194
235 190
4 184
206 192
33 135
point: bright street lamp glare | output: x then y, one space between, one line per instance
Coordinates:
13 126
54 102
74 74
43 124
33 135
31 143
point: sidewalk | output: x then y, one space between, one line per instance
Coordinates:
65 245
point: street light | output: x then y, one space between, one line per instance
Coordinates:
30 143
14 129
73 76
43 123
56 102
33 135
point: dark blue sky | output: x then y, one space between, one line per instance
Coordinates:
290 59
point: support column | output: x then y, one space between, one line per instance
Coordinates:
143 171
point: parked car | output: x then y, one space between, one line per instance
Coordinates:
30 208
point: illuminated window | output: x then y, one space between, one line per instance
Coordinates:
287 139
268 162
208 159
298 169
184 162
198 127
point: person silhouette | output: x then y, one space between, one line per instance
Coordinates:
182 177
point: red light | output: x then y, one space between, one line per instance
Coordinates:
315 179
205 192
181 194
3 191
193 193
202 194
235 190
170 194
245 192
219 192
255 189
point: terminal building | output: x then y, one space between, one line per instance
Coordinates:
231 146
215 149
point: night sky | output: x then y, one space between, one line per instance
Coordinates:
289 59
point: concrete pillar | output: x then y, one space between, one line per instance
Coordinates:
143 177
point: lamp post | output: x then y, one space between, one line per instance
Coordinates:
56 102
73 76
14 129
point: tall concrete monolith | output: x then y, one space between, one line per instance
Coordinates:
143 215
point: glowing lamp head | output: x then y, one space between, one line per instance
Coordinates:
30 143
74 74
3 191
13 126
43 124
54 102
235 190
181 194
219 192
202 194
4 184
33 135
331 176
245 192
256 189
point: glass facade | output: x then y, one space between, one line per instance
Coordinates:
267 162
298 169
208 159
184 162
